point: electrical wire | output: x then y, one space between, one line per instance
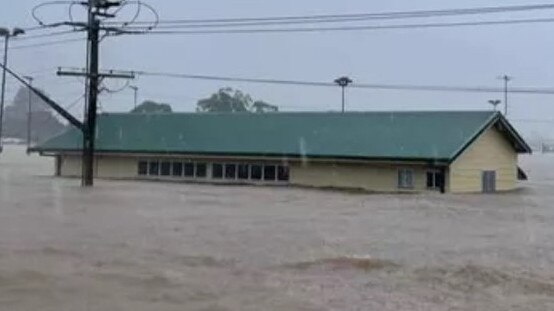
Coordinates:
405 87
46 35
48 43
49 3
382 15
345 28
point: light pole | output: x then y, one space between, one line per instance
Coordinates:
494 103
30 112
506 79
135 89
6 33
343 82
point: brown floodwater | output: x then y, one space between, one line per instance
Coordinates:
154 246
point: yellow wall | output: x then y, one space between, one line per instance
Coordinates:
491 151
368 176
371 177
117 167
70 166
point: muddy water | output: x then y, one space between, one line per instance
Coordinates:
151 246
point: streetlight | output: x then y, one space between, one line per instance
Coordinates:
506 79
135 89
343 83
495 102
30 112
6 33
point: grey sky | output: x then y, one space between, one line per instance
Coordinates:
471 56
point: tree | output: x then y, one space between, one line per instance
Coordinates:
44 123
230 100
261 107
149 106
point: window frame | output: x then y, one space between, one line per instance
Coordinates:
225 171
400 180
150 166
265 177
286 169
173 171
162 164
252 166
221 170
146 168
434 174
247 165
189 164
205 170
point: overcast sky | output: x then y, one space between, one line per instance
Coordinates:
471 56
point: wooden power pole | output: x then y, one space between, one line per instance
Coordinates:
95 8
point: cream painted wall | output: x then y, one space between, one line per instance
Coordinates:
371 177
116 167
491 151
71 166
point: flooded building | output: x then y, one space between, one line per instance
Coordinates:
456 151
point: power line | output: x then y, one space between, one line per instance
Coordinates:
48 43
400 87
46 35
381 15
343 28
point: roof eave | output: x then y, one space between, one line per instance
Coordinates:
495 118
434 161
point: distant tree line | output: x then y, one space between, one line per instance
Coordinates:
44 123
224 100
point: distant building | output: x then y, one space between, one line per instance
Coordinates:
375 151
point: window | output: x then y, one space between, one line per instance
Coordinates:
269 172
243 171
143 168
154 168
256 173
283 173
165 168
189 169
217 171
201 170
435 180
405 179
177 170
230 171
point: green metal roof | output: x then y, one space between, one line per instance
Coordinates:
436 136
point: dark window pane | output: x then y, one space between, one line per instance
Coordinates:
143 168
217 171
283 173
201 170
165 168
154 168
243 171
189 169
256 173
439 180
230 171
177 169
430 181
269 172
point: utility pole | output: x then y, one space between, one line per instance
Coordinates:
6 33
30 112
343 82
95 8
135 89
90 117
506 79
